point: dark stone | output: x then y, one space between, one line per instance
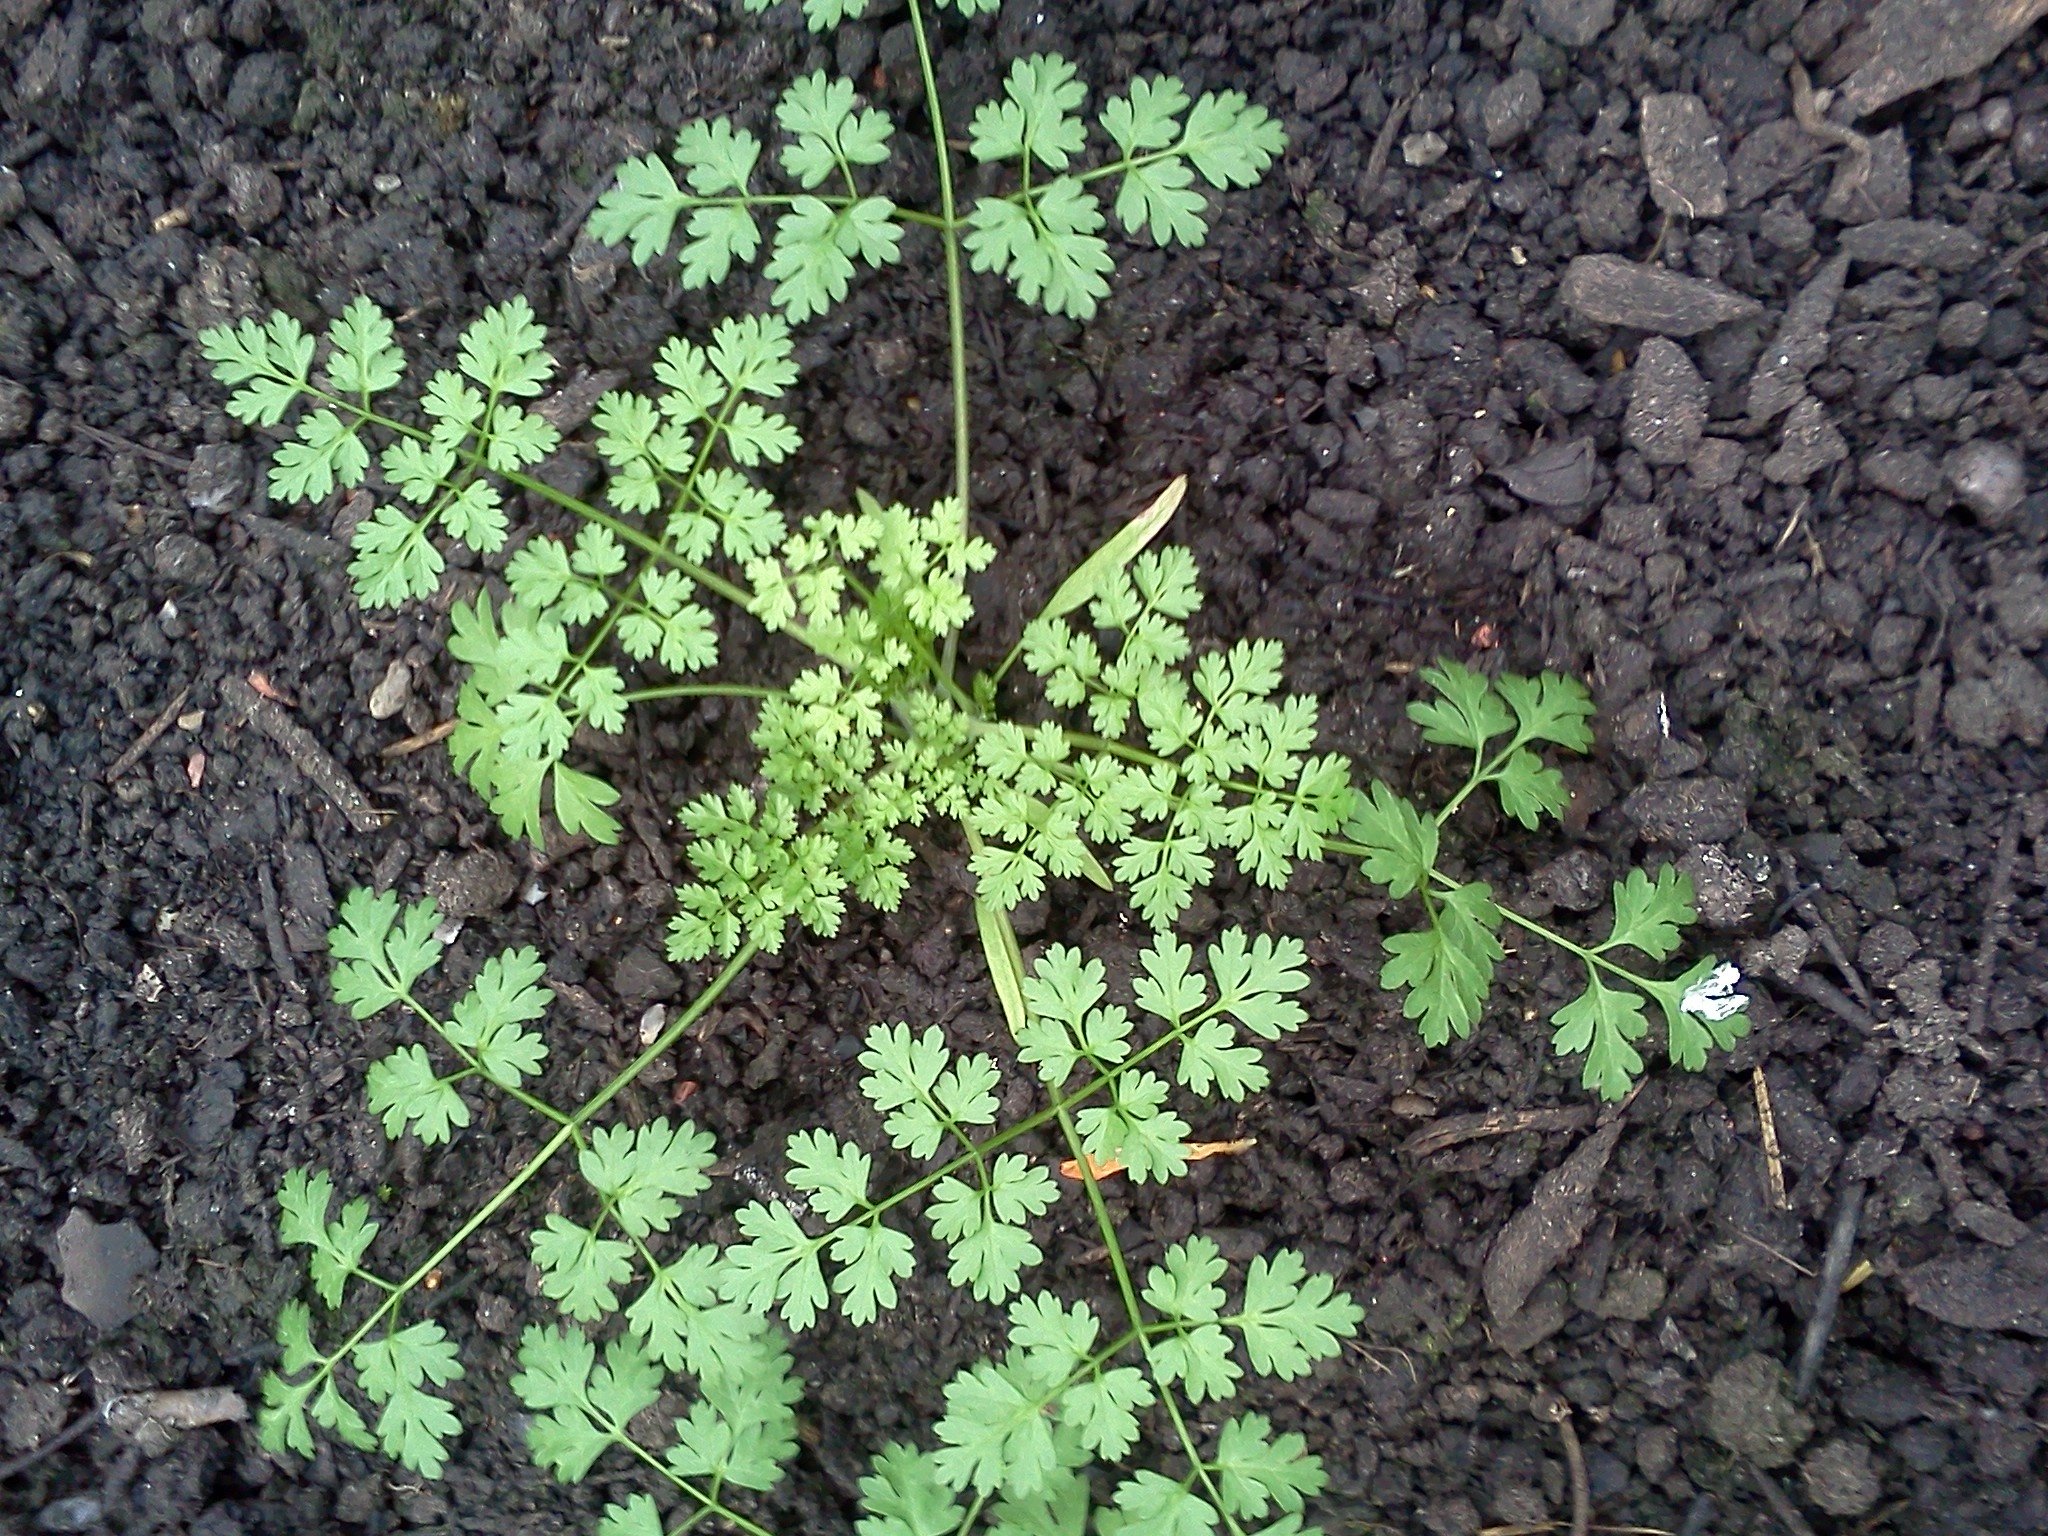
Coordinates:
1667 412
1913 243
264 91
1511 108
1613 291
1682 152
1687 812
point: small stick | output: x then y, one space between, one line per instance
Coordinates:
1382 148
306 753
1549 1406
1807 113
51 1446
1818 989
1781 1503
148 738
1834 1267
1454 1129
1801 900
1997 910
423 740
1774 1165
127 445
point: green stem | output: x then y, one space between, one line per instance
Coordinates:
1129 1292
700 691
956 290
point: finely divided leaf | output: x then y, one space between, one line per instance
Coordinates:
1447 967
1605 1024
1650 916
1035 115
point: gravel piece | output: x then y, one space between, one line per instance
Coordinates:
2021 604
17 411
1767 158
1913 243
1811 442
1552 383
1725 895
1612 290
1750 1411
1715 462
1572 23
2011 701
393 690
1682 152
473 884
1687 812
1842 1479
1511 108
180 558
100 1266
255 195
1885 193
2005 1288
1555 475
264 91
1632 1296
1989 478
13 198
1893 640
219 479
1536 1237
1962 325
1667 411
2029 150
1421 150
1801 344
1906 473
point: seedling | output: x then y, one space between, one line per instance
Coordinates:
1123 753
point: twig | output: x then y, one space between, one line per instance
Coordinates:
1780 1502
1767 1121
1454 1129
1806 112
148 738
128 445
273 933
1997 910
1834 1265
1554 1409
51 1446
1818 989
424 739
1783 1258
1382 148
306 754
1801 900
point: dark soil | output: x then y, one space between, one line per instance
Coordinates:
1814 635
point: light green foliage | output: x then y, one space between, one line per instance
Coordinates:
1234 766
1126 754
1069 1027
1447 967
816 238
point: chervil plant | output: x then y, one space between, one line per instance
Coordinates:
1109 745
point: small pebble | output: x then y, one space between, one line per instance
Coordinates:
1963 325
1511 108
1989 478
1421 150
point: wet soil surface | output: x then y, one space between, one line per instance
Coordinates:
1567 335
